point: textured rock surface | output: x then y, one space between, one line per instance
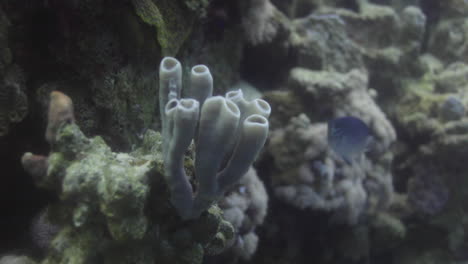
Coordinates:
245 208
308 175
113 207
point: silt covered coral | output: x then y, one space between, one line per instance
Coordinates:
245 206
108 199
318 179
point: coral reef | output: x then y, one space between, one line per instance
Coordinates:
172 26
452 109
316 51
321 87
113 206
107 64
436 103
318 179
128 197
245 207
198 7
261 21
448 42
228 132
13 100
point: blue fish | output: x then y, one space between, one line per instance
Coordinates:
349 137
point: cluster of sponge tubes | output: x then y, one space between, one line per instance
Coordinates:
228 132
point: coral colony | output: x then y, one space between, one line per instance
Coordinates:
105 196
189 193
228 131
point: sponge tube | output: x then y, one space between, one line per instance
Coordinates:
253 136
218 124
170 85
248 108
182 118
201 83
230 133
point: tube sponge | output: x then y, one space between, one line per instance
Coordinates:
182 120
201 83
229 133
218 125
253 136
257 106
170 83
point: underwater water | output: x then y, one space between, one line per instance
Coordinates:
219 131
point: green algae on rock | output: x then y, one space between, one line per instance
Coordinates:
116 204
173 26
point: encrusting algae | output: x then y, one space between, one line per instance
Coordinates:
114 207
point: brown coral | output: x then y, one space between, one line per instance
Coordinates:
36 165
60 112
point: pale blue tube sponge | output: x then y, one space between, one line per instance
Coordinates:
201 83
229 133
182 117
218 124
170 85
